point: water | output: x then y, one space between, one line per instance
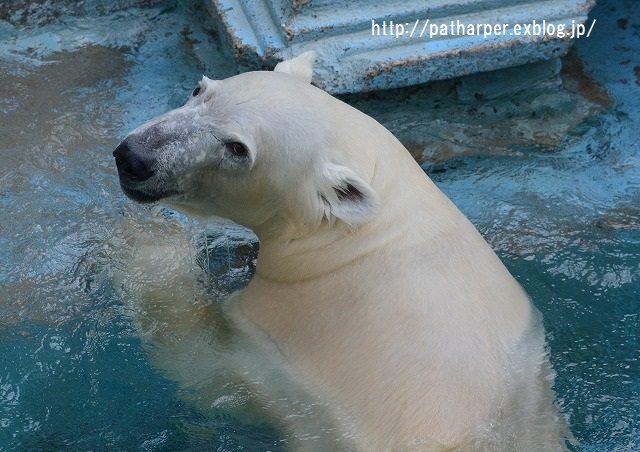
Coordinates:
73 373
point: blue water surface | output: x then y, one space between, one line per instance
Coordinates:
73 373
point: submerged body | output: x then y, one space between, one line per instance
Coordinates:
371 287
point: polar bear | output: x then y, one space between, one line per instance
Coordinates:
371 288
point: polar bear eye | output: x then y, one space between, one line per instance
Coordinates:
237 149
196 91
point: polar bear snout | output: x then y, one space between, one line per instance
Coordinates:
135 171
131 166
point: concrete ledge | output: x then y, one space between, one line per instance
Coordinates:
366 45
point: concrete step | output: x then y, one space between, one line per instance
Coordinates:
365 45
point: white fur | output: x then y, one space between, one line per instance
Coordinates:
372 289
300 67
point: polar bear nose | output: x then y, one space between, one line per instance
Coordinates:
130 165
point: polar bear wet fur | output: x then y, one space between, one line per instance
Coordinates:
372 287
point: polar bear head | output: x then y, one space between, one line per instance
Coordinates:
259 148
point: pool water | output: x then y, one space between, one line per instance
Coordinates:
74 375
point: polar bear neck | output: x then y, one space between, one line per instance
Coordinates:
287 248
429 216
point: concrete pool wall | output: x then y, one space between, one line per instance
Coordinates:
367 45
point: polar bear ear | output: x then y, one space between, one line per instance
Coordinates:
300 67
346 196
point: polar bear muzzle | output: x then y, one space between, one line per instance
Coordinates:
134 169
139 161
131 167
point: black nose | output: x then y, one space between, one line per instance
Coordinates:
130 165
